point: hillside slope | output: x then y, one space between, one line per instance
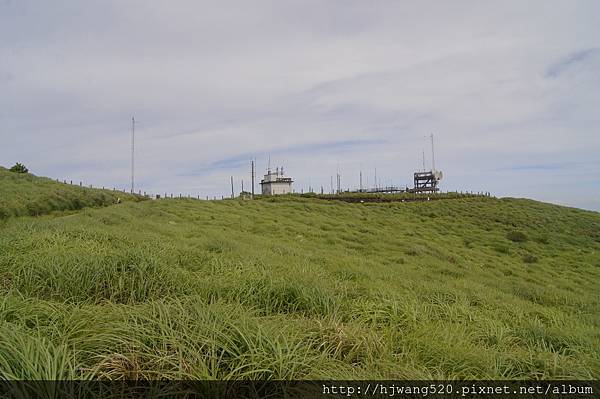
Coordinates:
302 288
26 194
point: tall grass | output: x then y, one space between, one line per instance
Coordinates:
299 288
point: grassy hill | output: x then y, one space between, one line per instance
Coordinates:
302 288
25 194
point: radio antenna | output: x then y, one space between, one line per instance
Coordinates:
432 153
132 153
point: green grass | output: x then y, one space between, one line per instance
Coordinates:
302 288
25 194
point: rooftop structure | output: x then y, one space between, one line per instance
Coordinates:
275 184
427 182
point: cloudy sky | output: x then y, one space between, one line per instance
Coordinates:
510 89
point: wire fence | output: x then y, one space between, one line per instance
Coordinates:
244 195
145 194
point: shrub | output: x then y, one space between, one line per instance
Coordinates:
529 258
516 236
503 249
19 168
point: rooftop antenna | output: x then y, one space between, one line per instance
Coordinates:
132 152
432 153
269 164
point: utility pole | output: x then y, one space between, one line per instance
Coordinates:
232 195
252 179
423 160
132 152
331 184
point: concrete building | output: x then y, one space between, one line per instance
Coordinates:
275 184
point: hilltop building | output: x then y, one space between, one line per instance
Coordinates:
275 184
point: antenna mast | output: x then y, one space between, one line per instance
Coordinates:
376 188
432 153
252 179
132 152
339 179
361 186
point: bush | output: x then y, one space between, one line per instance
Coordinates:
529 258
503 249
516 236
19 168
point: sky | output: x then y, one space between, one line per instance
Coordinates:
510 90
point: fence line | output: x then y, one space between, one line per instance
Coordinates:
167 195
144 194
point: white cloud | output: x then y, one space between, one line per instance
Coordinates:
308 82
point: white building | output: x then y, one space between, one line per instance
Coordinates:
275 184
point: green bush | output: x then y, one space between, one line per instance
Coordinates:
501 248
529 258
19 168
516 236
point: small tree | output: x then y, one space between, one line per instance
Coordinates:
19 168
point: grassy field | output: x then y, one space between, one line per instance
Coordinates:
301 288
26 194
